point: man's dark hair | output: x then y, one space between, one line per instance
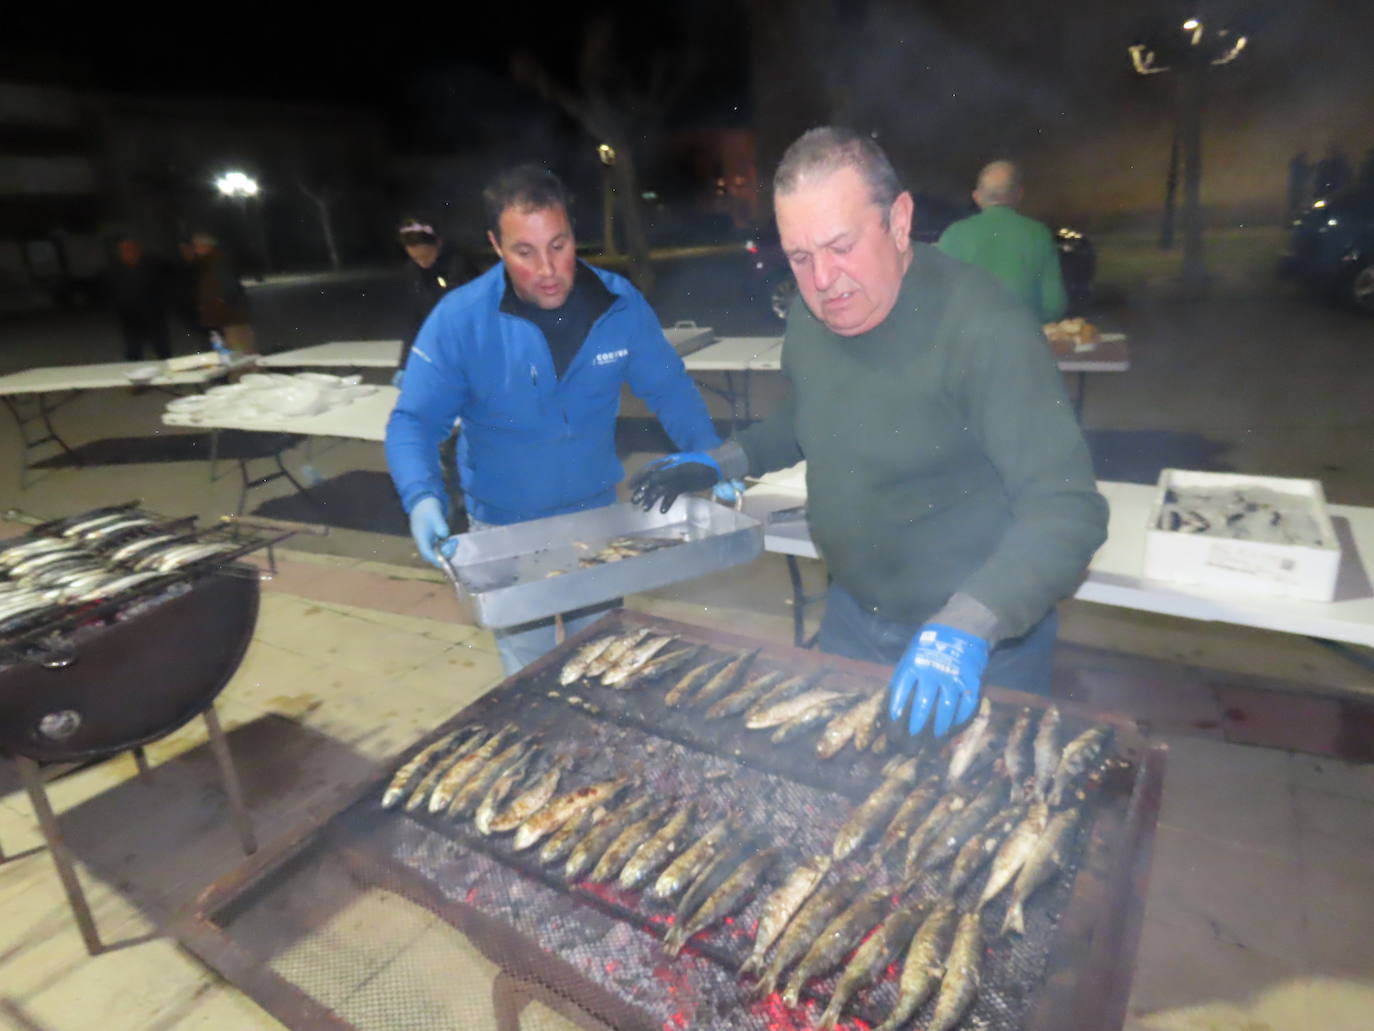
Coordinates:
526 187
821 152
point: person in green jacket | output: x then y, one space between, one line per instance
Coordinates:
1018 250
949 488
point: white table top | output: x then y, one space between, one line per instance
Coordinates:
104 376
379 354
364 419
1114 576
738 354
1109 354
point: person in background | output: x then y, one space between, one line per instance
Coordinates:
1019 251
949 489
433 270
221 302
140 289
532 355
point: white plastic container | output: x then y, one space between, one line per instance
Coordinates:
1283 570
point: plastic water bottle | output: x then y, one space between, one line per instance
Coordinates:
217 342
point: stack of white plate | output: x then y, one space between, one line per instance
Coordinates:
271 397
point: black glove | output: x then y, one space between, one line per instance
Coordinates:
662 481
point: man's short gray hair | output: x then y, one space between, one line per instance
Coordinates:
1000 182
818 153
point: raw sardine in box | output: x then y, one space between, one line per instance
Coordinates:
1283 570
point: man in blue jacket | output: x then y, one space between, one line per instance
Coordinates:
531 356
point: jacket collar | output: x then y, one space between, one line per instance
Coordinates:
585 280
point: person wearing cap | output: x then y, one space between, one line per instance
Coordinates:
532 356
433 271
949 488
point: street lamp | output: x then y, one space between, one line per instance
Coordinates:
242 188
607 155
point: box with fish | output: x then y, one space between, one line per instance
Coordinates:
678 827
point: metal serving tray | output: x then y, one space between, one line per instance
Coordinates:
515 574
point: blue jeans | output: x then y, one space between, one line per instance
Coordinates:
1024 663
520 645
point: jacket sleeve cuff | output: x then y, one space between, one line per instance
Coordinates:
733 462
965 612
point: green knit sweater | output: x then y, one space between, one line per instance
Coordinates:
942 453
1018 250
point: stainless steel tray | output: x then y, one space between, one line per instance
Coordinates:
515 574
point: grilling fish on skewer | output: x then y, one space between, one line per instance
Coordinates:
872 957
962 974
1046 751
1014 753
1078 755
970 744
683 870
1045 858
624 845
441 766
873 813
725 680
631 662
530 801
782 905
415 767
1014 852
742 697
923 965
838 938
725 899
458 773
805 928
615 651
666 842
691 680
466 797
843 728
564 808
501 786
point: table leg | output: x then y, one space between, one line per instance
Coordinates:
509 997
145 773
57 848
43 413
230 776
214 452
1078 399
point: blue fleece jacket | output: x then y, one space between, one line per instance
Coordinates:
533 445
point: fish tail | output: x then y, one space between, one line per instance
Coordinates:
1015 920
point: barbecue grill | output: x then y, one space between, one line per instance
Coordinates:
128 656
278 927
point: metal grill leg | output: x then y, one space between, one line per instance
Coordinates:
231 781
509 997
145 773
57 848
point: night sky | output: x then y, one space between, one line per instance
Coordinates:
440 74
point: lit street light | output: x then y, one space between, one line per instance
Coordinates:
242 188
607 155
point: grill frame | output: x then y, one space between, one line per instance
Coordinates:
1090 963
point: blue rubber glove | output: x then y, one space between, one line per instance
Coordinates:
663 480
727 492
429 527
397 377
942 668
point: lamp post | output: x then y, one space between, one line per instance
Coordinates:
242 188
1191 50
607 155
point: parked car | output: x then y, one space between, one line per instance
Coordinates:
768 278
1331 246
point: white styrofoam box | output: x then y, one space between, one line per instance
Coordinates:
1285 570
